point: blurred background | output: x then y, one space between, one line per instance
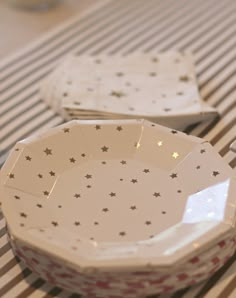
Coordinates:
19 25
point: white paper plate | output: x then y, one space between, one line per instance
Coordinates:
117 197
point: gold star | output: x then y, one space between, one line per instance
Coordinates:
175 155
104 149
184 78
117 94
22 214
155 59
160 143
48 151
119 128
152 74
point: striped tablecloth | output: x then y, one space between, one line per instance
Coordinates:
207 27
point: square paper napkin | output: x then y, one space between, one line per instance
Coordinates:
161 88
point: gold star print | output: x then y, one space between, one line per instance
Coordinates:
184 78
72 160
48 151
152 74
133 207
174 175
160 143
137 145
156 194
104 149
22 214
112 194
215 173
97 127
11 176
175 155
66 130
28 158
155 59
119 128
122 233
117 94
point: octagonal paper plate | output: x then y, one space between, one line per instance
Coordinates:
117 195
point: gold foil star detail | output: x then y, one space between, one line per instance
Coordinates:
160 143
175 155
117 94
48 151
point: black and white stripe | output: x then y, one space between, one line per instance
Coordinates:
207 28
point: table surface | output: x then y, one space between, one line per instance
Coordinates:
207 27
18 27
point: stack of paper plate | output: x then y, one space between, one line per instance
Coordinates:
123 208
